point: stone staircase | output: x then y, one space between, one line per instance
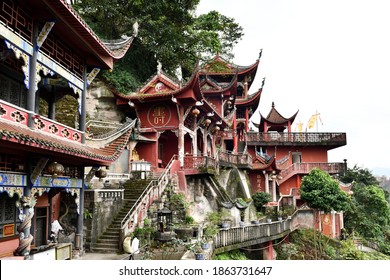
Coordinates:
108 242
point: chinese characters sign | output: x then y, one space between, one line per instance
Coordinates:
159 115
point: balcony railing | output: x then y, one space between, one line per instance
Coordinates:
13 113
297 138
227 158
200 164
305 168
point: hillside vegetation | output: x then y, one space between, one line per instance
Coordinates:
309 244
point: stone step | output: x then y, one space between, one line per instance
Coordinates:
108 240
111 245
104 250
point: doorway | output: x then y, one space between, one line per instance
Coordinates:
41 230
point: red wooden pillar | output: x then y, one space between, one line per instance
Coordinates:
270 250
235 135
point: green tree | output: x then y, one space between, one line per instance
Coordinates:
369 215
322 192
169 32
359 175
260 199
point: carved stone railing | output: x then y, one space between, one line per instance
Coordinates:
241 160
305 168
296 138
237 237
152 192
200 164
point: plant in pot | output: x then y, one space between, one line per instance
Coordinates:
196 248
209 232
226 219
270 213
280 215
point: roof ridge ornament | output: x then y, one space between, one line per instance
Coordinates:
260 53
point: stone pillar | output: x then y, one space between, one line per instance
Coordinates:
274 189
79 244
266 181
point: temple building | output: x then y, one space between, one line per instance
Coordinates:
48 53
179 133
204 126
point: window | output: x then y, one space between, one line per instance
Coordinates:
8 215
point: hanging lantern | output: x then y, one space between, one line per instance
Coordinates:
196 112
55 169
207 122
216 129
101 174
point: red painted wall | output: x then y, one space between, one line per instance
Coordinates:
162 115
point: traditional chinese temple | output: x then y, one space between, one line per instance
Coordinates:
205 122
47 53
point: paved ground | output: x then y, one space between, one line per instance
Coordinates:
98 256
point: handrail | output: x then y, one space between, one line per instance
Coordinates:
253 233
306 167
298 137
147 191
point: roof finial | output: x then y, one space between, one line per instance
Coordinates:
273 104
262 83
159 67
135 29
261 52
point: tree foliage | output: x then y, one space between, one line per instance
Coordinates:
322 192
260 199
359 175
369 215
169 32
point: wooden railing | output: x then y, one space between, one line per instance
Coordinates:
309 138
305 168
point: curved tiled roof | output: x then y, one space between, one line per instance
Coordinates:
72 19
43 143
274 118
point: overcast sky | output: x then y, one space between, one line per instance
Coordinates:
328 56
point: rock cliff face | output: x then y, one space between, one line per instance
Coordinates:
227 192
101 104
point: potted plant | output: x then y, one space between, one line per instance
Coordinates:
209 232
280 215
196 248
226 219
270 213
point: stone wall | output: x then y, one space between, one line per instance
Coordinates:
101 104
103 204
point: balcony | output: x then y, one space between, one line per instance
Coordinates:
240 160
331 139
305 168
200 164
17 115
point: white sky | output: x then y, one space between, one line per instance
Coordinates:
330 56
